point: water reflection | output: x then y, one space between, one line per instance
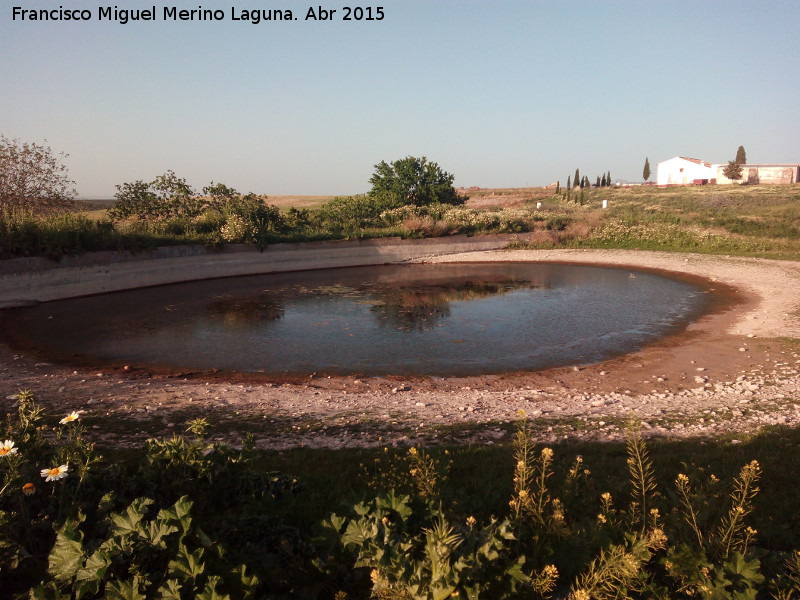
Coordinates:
245 312
424 307
455 319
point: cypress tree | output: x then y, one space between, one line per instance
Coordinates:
597 184
608 178
741 156
558 187
569 183
646 172
576 181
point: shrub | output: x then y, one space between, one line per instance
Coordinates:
32 177
413 547
350 215
140 553
250 220
23 233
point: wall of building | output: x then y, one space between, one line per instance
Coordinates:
763 174
679 171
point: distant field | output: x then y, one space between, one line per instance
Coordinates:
746 220
96 207
310 202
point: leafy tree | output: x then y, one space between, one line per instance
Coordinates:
32 176
177 196
219 194
414 181
166 197
733 171
741 156
646 171
134 199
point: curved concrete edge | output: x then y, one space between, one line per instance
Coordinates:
31 280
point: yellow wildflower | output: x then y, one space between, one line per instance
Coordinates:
550 571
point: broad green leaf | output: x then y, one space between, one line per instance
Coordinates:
124 590
187 564
90 576
180 513
129 520
170 590
248 582
66 557
210 591
47 591
156 531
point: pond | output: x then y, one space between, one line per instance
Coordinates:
437 319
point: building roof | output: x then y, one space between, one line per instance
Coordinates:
696 161
770 165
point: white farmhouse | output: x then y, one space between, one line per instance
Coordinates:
682 171
687 171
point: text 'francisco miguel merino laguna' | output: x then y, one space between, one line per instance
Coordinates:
173 13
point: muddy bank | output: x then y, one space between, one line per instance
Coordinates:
733 372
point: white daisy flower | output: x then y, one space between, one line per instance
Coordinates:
7 448
73 416
55 473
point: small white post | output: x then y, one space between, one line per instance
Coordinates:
605 203
538 205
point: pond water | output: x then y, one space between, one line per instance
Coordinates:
442 319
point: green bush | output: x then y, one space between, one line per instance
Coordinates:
193 519
140 553
351 215
250 220
22 233
690 542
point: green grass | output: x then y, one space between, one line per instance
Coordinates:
267 509
479 481
758 221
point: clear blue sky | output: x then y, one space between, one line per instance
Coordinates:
499 93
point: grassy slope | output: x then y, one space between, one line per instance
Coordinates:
762 220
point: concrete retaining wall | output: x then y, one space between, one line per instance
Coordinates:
29 280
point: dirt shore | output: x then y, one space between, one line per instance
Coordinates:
730 373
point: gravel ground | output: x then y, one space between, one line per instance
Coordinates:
729 374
